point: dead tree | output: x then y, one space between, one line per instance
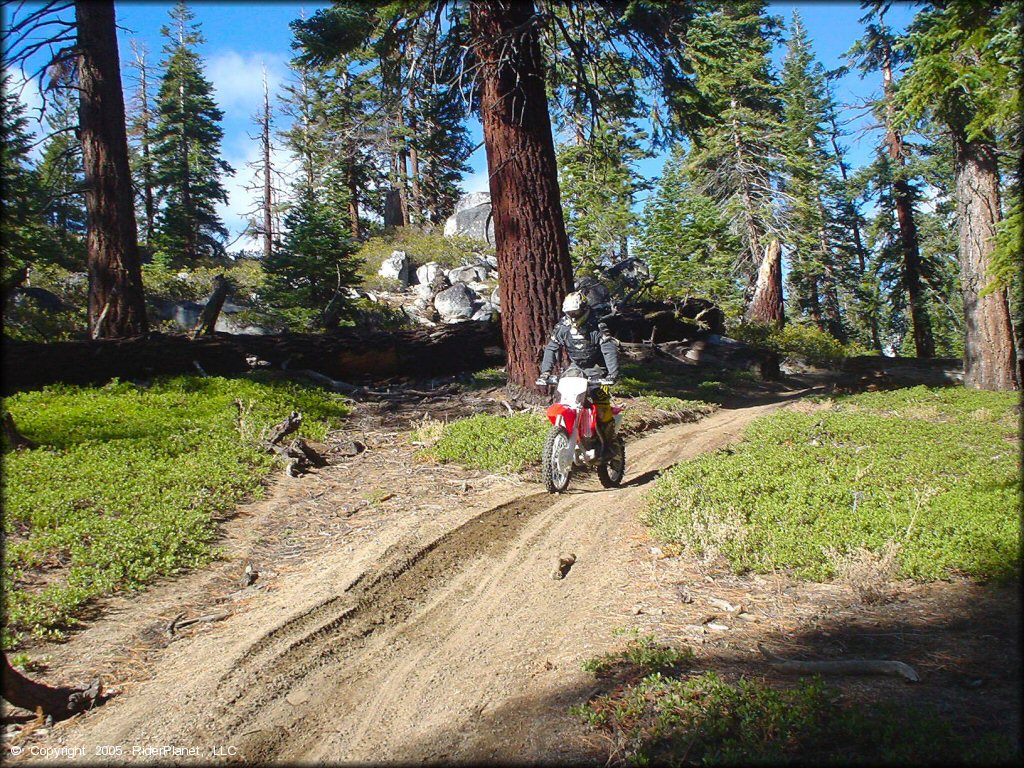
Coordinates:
214 304
767 306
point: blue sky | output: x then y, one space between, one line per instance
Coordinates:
242 37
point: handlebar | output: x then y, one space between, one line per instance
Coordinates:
593 381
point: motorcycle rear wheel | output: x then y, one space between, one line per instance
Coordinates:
555 467
613 469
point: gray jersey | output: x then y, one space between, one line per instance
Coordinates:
590 346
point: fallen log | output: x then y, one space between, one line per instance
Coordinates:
58 703
843 667
342 356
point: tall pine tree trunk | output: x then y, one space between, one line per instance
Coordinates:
529 229
352 180
116 305
268 187
924 342
989 358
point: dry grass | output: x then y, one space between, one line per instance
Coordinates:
869 574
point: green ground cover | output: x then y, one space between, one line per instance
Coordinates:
498 443
128 482
657 712
933 473
492 443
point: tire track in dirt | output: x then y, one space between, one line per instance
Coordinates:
462 634
412 657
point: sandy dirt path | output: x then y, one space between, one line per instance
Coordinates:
453 643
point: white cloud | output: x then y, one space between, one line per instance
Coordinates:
238 78
242 201
477 182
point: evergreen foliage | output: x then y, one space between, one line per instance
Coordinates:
735 156
810 188
61 178
186 151
599 183
26 237
687 242
309 270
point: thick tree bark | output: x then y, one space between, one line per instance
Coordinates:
529 229
767 305
116 306
989 356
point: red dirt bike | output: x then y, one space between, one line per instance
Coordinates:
574 440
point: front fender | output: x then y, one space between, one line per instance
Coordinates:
558 411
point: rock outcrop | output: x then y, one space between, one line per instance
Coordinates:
472 218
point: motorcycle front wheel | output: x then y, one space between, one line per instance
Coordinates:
556 461
612 470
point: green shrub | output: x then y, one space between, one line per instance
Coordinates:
704 720
196 283
674 404
934 472
492 443
127 482
795 340
644 653
23 320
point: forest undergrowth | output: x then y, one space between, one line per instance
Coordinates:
128 481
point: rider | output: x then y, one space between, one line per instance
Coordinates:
592 348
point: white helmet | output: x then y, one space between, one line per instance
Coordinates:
575 306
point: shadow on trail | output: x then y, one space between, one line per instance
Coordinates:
962 638
643 479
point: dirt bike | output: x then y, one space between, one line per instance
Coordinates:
574 440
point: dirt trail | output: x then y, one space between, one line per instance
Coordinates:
454 643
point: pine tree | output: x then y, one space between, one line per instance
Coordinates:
140 131
264 214
313 264
504 41
186 150
61 176
862 319
817 268
965 59
734 159
599 183
26 238
877 52
687 241
117 306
